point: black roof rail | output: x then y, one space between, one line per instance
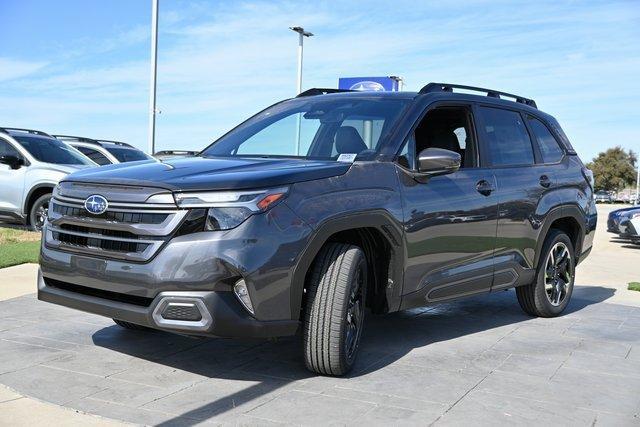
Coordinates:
115 142
321 91
77 138
175 152
448 87
31 131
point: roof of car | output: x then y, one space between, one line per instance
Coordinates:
442 90
24 132
100 142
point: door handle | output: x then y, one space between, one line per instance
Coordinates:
545 181
484 187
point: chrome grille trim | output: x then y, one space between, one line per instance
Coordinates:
136 206
98 236
150 250
72 229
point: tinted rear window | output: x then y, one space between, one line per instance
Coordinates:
507 137
94 155
127 154
549 148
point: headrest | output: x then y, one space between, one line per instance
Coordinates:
348 140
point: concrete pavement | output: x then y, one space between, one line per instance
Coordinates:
18 280
480 361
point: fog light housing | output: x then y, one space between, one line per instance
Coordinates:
242 293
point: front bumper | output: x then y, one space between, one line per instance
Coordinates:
221 314
200 268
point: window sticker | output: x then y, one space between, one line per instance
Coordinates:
347 157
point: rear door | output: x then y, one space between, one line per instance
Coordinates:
521 184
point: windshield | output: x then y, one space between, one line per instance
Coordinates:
313 128
127 154
50 150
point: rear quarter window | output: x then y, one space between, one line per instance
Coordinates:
549 147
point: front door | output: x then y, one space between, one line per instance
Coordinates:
11 182
449 220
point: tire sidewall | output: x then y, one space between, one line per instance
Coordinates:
46 198
541 294
358 262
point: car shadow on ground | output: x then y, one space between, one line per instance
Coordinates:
270 365
624 242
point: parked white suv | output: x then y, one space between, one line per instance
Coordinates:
31 164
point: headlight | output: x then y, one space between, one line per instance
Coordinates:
228 209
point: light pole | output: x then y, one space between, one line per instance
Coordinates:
154 66
301 35
638 184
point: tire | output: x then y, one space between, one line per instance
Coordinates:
38 212
549 295
131 326
334 315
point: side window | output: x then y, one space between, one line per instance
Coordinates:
94 155
7 149
407 156
449 128
549 148
507 137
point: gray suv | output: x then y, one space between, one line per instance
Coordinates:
31 164
325 205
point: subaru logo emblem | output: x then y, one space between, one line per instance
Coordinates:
96 204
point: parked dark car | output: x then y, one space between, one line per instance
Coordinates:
174 154
603 197
618 216
322 205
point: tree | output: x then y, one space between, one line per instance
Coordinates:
614 169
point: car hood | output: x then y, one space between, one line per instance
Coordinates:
623 211
200 173
65 169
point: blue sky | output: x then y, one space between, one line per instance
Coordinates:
82 67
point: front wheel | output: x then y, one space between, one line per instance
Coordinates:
549 295
334 314
39 211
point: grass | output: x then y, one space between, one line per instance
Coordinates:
18 247
634 286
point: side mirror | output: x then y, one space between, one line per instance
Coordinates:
14 162
438 161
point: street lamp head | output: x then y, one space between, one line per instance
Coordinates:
301 31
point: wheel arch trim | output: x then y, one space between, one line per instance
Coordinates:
558 213
32 191
379 219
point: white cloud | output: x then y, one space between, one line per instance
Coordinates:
218 63
14 69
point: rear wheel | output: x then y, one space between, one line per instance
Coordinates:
131 326
334 315
549 295
39 211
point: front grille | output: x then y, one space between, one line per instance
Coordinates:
92 242
130 231
101 231
99 293
126 217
